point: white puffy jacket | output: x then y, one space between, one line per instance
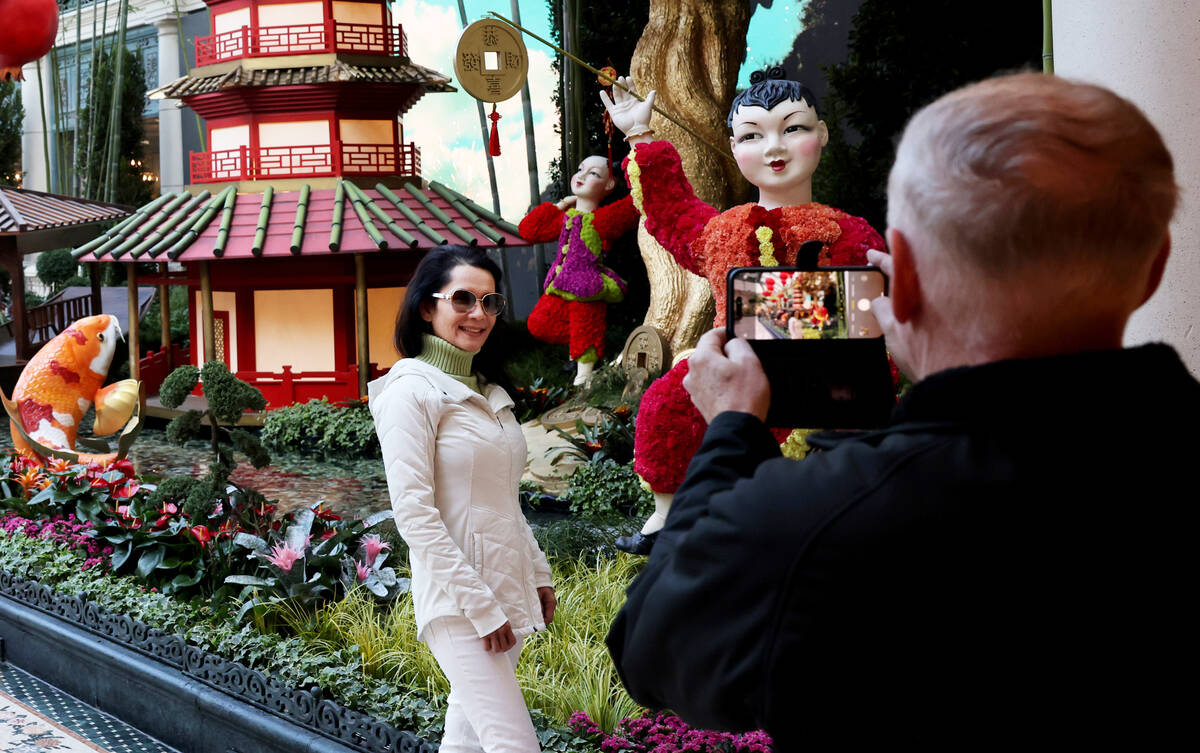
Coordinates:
454 459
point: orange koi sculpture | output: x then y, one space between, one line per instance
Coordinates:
61 382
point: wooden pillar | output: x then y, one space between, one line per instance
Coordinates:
206 315
164 307
97 301
360 319
134 326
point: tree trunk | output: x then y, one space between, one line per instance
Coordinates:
690 53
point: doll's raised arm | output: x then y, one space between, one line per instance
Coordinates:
675 216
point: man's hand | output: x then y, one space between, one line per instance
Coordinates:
881 307
499 640
726 376
549 603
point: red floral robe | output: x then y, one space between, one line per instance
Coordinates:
710 243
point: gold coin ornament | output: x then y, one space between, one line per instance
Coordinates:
491 61
491 64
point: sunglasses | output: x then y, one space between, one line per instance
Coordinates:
463 302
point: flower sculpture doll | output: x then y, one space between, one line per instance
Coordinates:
578 287
777 141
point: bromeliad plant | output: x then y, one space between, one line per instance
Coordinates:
610 439
301 568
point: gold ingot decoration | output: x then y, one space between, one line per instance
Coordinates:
491 62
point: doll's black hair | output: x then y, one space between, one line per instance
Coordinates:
768 88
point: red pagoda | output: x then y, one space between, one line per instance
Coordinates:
307 215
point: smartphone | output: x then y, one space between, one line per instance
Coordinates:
821 347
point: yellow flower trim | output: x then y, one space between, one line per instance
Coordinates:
796 445
634 173
766 249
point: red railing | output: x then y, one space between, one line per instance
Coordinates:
288 387
157 364
330 36
307 161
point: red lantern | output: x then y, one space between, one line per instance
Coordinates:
26 34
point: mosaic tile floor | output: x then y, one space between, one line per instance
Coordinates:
36 717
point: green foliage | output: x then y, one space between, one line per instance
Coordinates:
172 490
567 669
604 488
889 75
323 428
12 115
185 426
610 439
177 386
302 567
249 445
56 267
583 538
206 624
150 333
228 397
130 188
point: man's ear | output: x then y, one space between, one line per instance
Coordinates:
904 289
1157 267
822 133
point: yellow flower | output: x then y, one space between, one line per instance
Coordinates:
766 249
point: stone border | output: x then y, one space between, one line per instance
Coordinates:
158 682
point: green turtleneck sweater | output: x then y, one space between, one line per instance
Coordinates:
454 361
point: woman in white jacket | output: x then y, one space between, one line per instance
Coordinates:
454 455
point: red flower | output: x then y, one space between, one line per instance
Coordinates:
99 483
124 466
162 521
202 534
324 514
125 491
328 535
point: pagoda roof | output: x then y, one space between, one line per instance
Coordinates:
288 224
338 71
23 211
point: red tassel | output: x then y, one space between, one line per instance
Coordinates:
494 140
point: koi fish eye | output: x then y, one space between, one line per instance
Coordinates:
100 337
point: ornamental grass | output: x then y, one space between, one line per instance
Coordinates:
562 671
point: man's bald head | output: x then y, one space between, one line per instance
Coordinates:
1027 216
1034 170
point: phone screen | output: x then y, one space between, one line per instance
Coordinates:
793 304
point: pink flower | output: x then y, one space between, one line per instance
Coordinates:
283 557
362 570
373 545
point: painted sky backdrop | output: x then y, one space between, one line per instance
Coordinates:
446 126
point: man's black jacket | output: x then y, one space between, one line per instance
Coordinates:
1007 556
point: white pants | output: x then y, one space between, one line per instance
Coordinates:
485 710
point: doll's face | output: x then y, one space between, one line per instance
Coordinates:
592 181
778 148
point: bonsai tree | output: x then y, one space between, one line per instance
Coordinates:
228 397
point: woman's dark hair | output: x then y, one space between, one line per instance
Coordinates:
767 89
431 275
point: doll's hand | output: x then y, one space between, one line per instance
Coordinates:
566 203
625 109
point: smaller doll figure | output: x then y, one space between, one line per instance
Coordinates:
578 288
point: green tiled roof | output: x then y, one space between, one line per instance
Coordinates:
183 227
